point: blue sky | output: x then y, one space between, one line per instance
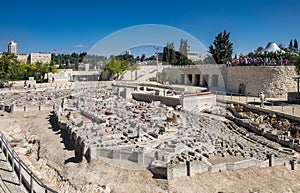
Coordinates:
75 26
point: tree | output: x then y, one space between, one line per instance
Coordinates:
221 49
182 59
259 50
143 57
137 59
10 67
115 67
172 58
169 54
29 70
166 54
291 44
295 44
42 70
183 48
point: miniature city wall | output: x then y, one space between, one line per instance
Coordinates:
167 168
171 170
98 121
190 168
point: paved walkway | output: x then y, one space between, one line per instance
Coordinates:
9 181
275 104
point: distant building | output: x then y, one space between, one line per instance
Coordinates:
273 47
23 58
39 57
128 52
12 47
28 58
193 56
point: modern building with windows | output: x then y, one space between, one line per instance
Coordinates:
12 47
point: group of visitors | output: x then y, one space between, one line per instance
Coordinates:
257 61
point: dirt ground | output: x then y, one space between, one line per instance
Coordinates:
48 153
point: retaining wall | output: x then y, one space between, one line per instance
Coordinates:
195 167
275 81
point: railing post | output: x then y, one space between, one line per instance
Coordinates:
254 102
1 144
293 109
31 183
20 173
12 164
240 97
231 96
6 154
282 107
272 105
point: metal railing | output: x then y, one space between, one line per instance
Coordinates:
279 106
25 175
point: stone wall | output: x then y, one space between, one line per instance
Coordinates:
210 75
275 81
196 167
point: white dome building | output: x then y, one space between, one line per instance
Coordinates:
273 47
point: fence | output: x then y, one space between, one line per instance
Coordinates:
25 176
274 105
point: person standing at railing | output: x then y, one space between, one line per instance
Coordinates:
262 98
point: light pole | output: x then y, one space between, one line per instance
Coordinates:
156 48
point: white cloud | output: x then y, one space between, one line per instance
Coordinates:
81 46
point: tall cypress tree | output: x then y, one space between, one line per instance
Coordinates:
295 44
172 54
221 49
291 44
